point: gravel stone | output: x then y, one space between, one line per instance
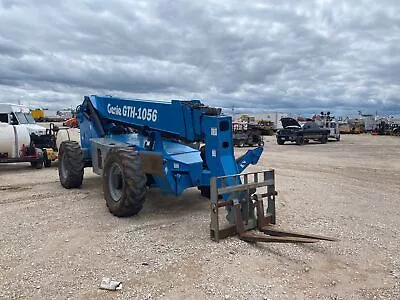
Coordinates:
57 243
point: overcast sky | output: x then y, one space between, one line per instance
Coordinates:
291 55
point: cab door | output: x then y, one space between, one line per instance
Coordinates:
313 130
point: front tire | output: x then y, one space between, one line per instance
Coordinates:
70 170
299 140
205 191
324 139
124 182
280 141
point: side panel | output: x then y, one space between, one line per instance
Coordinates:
152 163
219 149
99 149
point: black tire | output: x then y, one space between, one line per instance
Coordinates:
124 182
280 141
338 138
37 164
306 141
70 169
203 156
299 140
205 191
324 139
46 160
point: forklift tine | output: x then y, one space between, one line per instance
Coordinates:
280 233
252 222
257 237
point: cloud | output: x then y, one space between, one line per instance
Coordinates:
288 55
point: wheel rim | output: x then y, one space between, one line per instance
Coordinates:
115 182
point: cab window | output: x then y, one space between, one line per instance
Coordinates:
4 118
313 125
13 119
308 125
21 118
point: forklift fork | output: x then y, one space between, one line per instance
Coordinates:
246 210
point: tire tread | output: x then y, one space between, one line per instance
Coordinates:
71 151
135 181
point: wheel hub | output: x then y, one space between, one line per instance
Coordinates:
115 182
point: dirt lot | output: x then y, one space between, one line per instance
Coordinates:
58 244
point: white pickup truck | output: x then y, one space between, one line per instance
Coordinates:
15 114
22 140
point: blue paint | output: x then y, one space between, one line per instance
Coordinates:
168 128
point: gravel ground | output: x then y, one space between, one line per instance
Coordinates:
58 244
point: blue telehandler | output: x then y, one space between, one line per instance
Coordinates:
139 144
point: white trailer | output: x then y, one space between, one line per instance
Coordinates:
22 140
16 128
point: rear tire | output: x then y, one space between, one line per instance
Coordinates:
37 164
46 160
70 169
280 141
124 182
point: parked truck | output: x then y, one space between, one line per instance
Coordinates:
246 134
301 134
328 121
22 140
